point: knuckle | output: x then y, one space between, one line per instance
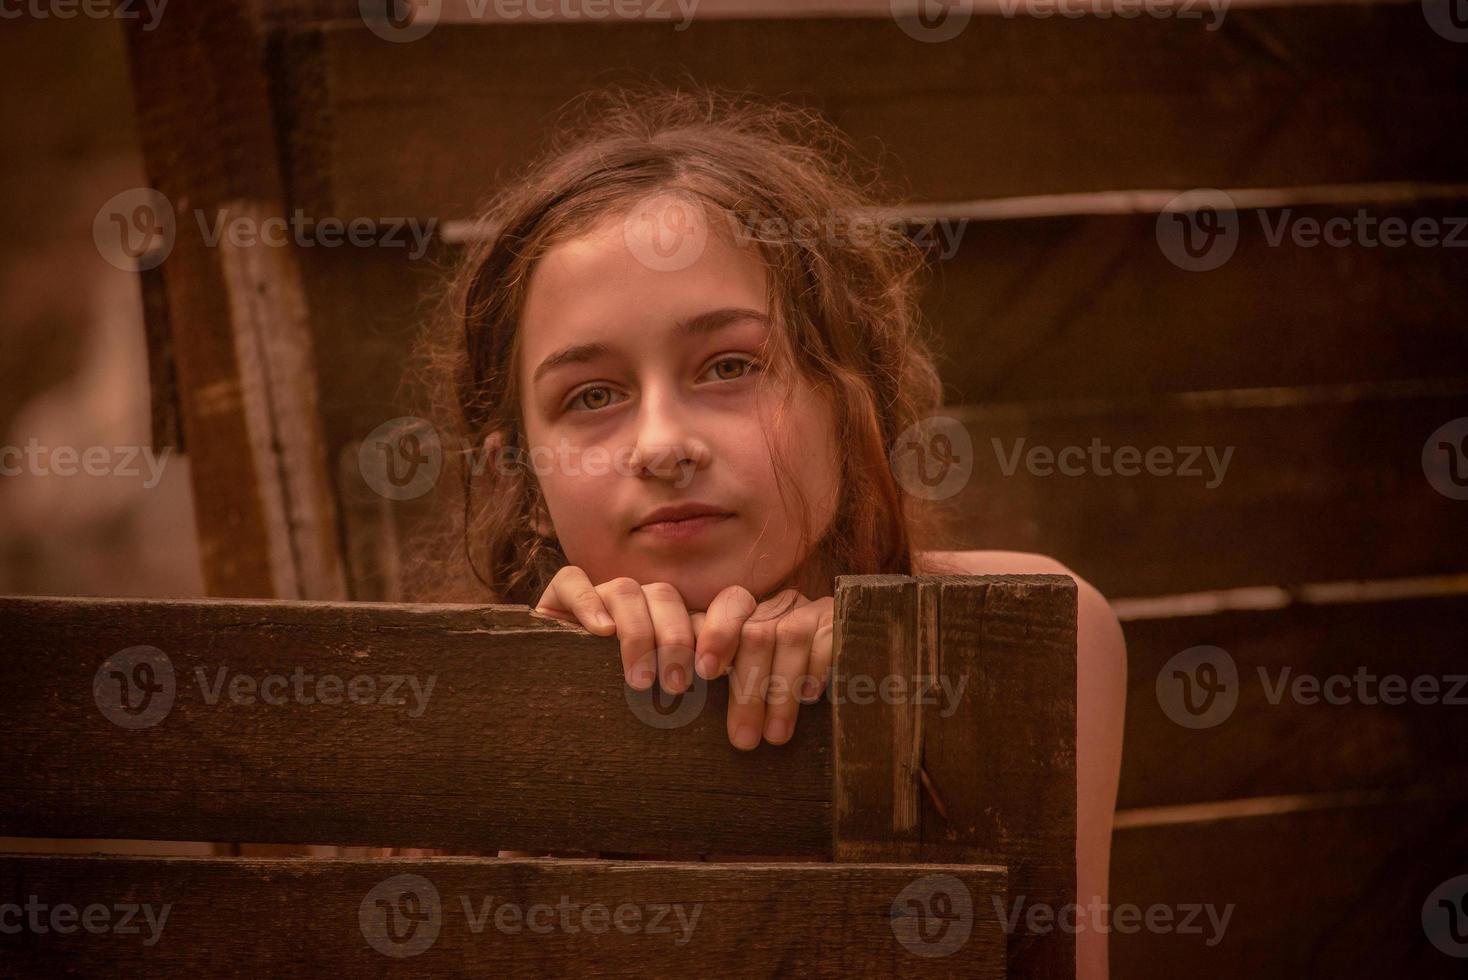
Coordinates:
623 588
793 629
665 591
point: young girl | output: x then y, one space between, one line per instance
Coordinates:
690 357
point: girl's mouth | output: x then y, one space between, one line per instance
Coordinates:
678 530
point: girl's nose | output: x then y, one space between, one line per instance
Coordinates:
666 448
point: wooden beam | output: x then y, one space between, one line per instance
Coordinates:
240 331
983 763
1374 737
489 917
1353 452
460 727
1276 96
1305 891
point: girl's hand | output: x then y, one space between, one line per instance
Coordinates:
777 652
651 622
778 655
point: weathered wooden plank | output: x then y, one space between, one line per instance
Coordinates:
459 727
237 317
1277 731
486 917
1333 891
977 758
1352 455
1273 97
876 746
1090 306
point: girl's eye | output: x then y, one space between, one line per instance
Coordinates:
593 398
598 397
741 366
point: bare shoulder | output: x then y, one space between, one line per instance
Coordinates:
1097 620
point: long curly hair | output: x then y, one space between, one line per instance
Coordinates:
844 311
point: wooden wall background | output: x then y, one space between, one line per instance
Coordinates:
1324 549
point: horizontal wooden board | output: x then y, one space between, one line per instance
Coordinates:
1334 892
1322 485
1273 743
484 917
1091 305
1011 106
526 739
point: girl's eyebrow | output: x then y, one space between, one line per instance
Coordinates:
703 323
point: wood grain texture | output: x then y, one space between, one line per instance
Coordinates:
237 317
994 768
1089 306
1323 485
1336 892
1273 97
1273 743
443 917
526 739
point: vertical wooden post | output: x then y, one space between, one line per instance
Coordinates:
967 752
242 345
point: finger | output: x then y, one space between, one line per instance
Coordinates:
673 634
719 638
818 671
747 683
628 605
571 596
794 633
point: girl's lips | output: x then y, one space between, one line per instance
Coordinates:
681 530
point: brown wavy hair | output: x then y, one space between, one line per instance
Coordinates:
843 307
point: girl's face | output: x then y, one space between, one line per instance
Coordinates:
639 392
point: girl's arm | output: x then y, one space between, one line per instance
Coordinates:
1100 712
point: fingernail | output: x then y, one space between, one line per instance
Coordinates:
777 730
602 620
673 679
746 737
642 675
809 689
708 666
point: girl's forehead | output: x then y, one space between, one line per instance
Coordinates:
603 282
